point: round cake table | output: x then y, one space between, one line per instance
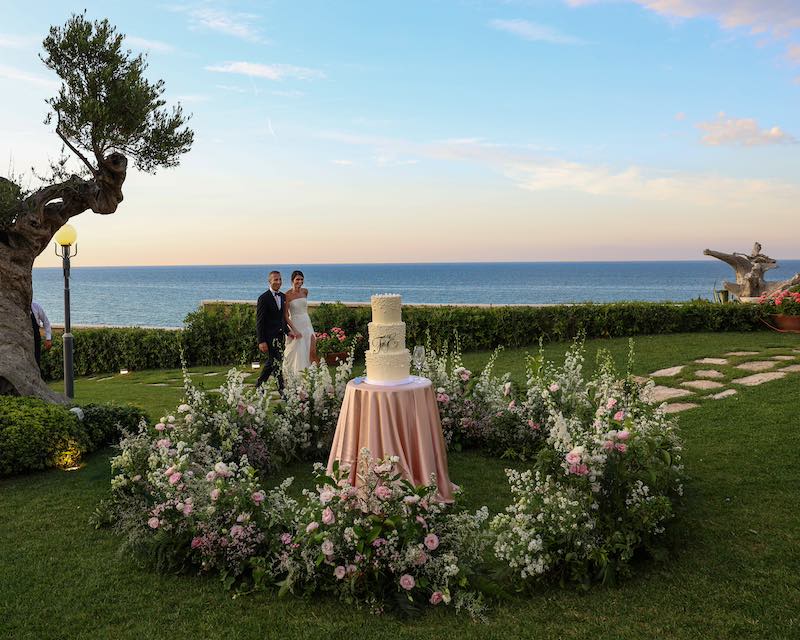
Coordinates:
400 420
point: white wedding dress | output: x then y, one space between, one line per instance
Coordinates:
297 354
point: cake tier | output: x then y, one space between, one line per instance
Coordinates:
388 367
386 308
387 338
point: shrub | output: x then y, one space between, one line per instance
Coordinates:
104 423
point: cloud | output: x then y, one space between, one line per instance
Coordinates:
740 131
236 24
533 31
772 19
268 71
192 97
18 75
14 41
149 45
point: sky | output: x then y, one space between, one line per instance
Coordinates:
431 131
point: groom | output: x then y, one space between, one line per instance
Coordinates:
271 329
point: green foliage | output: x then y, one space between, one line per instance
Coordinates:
105 103
11 197
37 435
111 349
221 337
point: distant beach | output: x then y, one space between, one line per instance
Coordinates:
162 296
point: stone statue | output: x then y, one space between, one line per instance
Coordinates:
750 269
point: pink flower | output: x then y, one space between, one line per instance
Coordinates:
214 495
377 542
432 542
327 548
622 448
183 408
436 597
197 542
160 426
623 435
407 582
187 508
619 415
573 457
554 387
240 409
421 558
340 572
533 425
421 520
608 444
414 499
222 469
579 469
383 492
175 478
442 398
236 530
351 569
258 497
465 375
164 442
312 526
286 538
326 495
211 476
327 516
153 523
611 403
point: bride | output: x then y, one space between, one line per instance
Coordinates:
301 343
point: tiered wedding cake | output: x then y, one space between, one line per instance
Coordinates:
388 360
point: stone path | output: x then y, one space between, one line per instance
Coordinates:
687 390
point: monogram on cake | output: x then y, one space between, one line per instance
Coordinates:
388 360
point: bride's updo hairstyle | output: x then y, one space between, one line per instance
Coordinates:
295 274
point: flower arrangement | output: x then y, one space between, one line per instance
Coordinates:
786 302
335 341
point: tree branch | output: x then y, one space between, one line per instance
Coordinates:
76 152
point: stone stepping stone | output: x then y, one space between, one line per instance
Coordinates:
157 384
101 379
677 407
742 353
667 373
213 373
709 373
724 394
702 384
640 379
712 361
247 374
792 368
760 378
660 393
757 365
783 358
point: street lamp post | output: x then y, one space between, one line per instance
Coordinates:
66 237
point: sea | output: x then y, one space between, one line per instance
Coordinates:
163 296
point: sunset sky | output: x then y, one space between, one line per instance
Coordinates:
443 131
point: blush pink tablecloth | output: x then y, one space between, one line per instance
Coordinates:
398 420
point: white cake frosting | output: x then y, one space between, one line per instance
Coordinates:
387 358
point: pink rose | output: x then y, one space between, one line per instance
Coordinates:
175 478
623 435
340 572
187 508
236 530
436 597
240 409
573 457
251 409
153 523
611 403
164 443
608 444
327 548
211 476
214 495
327 516
407 582
432 541
421 558
160 426
554 387
286 538
312 526
622 448
326 495
533 425
465 375
619 415
197 542
383 492
258 497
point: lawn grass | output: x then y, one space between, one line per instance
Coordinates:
735 573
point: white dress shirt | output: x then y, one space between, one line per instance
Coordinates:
41 319
276 295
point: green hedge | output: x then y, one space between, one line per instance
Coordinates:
37 435
226 334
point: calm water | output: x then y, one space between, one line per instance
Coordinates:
162 296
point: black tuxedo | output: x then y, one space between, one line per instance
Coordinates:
271 328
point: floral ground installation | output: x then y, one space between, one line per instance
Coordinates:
191 493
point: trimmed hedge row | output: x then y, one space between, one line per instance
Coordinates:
226 335
36 435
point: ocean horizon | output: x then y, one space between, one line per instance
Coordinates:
162 296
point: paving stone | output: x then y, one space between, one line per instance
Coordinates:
702 384
641 379
667 373
709 373
783 358
157 384
676 407
660 393
213 373
712 361
757 365
792 368
760 378
101 379
724 394
742 353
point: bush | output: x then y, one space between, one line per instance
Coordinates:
35 435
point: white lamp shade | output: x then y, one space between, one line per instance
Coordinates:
66 236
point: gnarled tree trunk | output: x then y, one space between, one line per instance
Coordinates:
41 215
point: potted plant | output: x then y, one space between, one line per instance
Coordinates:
334 345
784 309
